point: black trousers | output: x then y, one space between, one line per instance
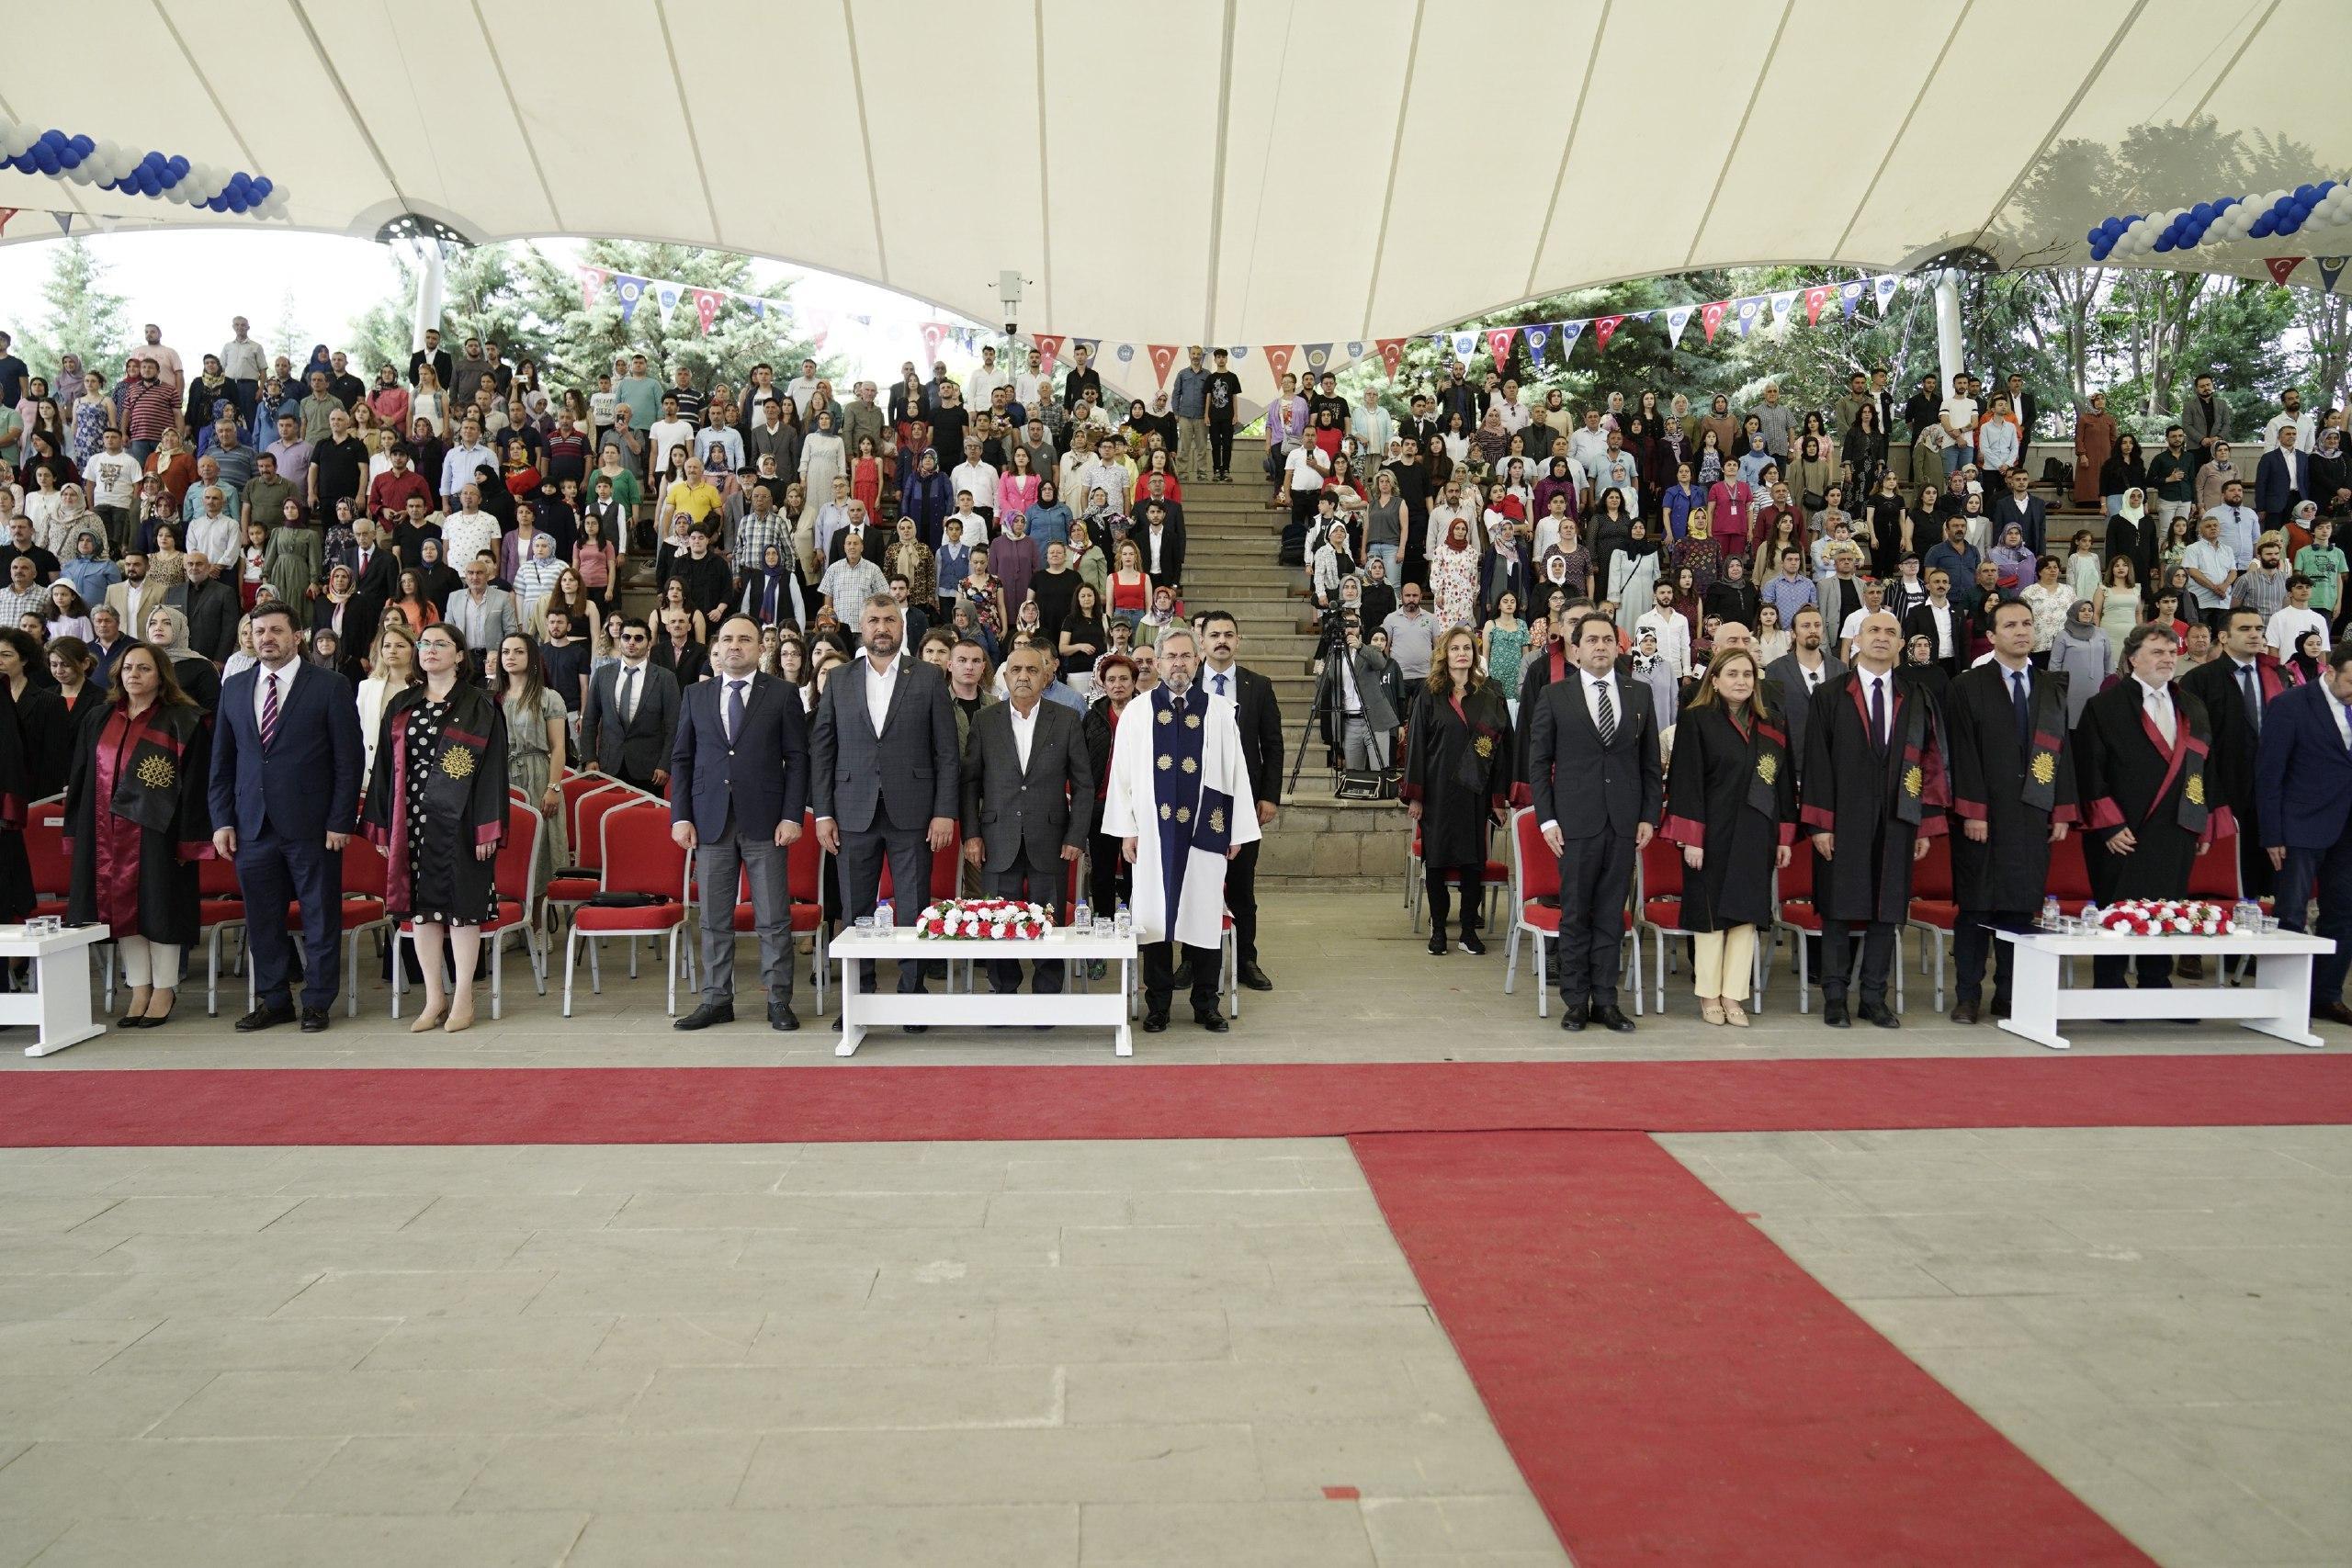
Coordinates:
1473 878
1030 885
1221 449
1159 976
2326 873
1241 895
1109 877
909 852
1837 958
2155 971
1596 873
1971 947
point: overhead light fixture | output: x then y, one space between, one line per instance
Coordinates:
415 226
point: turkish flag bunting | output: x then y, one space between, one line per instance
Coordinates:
1603 329
1498 340
706 304
1278 358
1163 359
934 334
1392 354
2281 267
1049 344
1814 298
1711 316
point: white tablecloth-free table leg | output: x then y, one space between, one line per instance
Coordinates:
61 1007
2284 980
2033 997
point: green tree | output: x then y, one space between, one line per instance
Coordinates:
83 318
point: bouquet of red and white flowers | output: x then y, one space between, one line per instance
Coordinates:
2165 917
982 919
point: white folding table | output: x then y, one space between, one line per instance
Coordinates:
59 1005
2276 1001
976 1008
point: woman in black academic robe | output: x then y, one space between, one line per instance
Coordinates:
1457 779
137 823
436 806
1731 805
35 750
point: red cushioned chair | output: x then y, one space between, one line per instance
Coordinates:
1799 918
1661 907
363 912
1535 909
1935 913
514 877
221 910
804 862
52 870
640 857
584 819
1497 879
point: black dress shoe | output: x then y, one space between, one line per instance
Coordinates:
1572 1017
1610 1016
2333 1013
133 1023
1966 1012
1998 1011
1437 945
266 1017
1833 1012
1212 1020
314 1021
1155 1023
1255 978
1880 1014
781 1018
708 1014
914 1028
1472 945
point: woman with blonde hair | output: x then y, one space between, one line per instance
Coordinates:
1731 804
391 669
1457 779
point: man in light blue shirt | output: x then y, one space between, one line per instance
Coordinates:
640 392
1793 589
2240 526
458 468
1190 400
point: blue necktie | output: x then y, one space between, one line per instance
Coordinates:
734 709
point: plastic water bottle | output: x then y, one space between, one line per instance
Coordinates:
2050 916
883 919
1081 918
1127 924
2246 917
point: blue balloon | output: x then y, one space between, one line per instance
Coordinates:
2201 212
2164 243
46 158
85 146
214 204
52 138
236 200
70 158
2260 228
178 165
2287 225
2303 192
149 182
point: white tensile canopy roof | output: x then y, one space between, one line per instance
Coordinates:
1181 171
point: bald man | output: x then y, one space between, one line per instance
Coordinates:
1874 793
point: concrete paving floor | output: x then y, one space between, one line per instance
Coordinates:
1353 984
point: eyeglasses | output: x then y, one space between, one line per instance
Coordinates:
632 637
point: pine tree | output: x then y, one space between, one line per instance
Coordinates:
85 317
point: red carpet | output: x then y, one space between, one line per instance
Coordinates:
723 1105
1676 1391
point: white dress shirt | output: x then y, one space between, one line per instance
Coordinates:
1879 690
283 675
1024 729
627 693
879 685
2157 702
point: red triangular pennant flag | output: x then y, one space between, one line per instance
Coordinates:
1163 359
934 334
1498 340
1711 316
1814 298
7 213
1603 329
1049 344
706 303
2281 266
1392 354
1278 358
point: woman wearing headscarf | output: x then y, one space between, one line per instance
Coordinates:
1634 575
2129 534
1557 481
1504 569
1731 805
2015 559
191 671
436 806
1453 577
2331 474
1334 563
292 562
2083 656
773 591
136 824
1457 779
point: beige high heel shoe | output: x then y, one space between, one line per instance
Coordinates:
430 1019
1734 1014
1711 1011
460 1019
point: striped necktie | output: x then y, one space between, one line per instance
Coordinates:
269 713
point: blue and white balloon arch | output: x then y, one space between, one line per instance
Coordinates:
2326 204
111 166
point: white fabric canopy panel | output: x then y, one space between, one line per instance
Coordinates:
1293 171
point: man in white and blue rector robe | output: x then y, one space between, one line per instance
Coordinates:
1177 772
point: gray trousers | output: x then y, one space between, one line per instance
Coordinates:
1364 749
1192 452
720 867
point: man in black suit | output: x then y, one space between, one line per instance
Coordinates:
886 775
432 354
631 714
213 609
740 764
2027 407
1942 621
2022 508
1259 713
1160 541
1028 804
375 582
1593 769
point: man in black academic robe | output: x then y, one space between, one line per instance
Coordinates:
2142 768
1874 793
2013 789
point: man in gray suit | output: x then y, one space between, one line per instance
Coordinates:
1028 796
885 775
484 615
2205 419
1805 667
631 714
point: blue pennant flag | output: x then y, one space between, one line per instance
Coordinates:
1850 294
1355 350
1537 336
759 308
1318 356
2330 269
1751 311
1464 344
628 291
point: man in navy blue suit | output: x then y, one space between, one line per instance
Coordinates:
286 761
2281 479
738 784
2303 782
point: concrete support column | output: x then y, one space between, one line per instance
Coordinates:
1951 353
430 285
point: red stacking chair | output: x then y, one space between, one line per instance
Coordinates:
1934 912
1535 909
640 857
514 878
1497 878
945 874
1799 918
584 879
221 909
363 911
52 870
1661 907
805 868
2213 875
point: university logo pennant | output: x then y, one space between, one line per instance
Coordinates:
1318 357
65 222
2330 267
1392 354
1751 310
1278 359
1464 344
1537 336
934 334
1640 315
759 308
1814 298
2281 267
1163 359
631 291
706 304
1885 285
1711 316
1676 318
1355 351
1569 332
1603 329
1850 294
1784 302
667 295
1125 353
1499 341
